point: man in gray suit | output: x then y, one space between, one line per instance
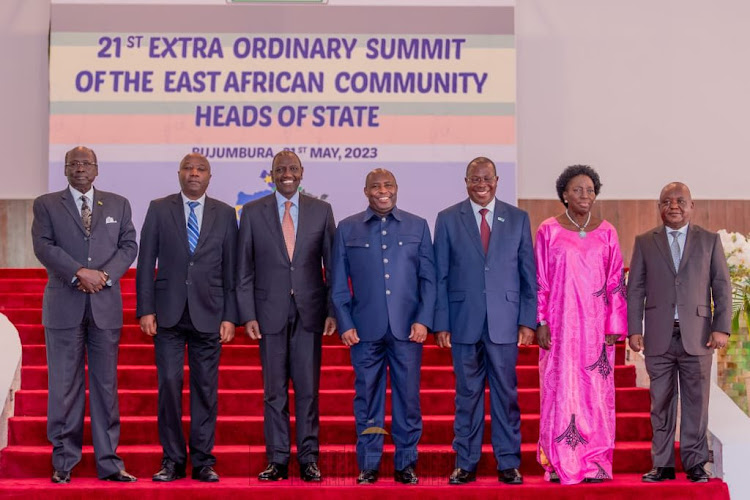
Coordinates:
284 303
675 272
86 240
190 301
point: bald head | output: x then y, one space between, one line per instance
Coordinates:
675 205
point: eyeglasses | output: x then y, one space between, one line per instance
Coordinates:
77 164
479 180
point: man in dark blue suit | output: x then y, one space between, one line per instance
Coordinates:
486 308
387 254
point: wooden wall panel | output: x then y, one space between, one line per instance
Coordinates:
630 217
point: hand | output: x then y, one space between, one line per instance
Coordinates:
226 332
718 340
90 280
418 333
330 327
350 337
544 337
636 342
443 339
253 329
525 335
148 324
611 338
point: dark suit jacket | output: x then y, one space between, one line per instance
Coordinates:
500 286
407 296
204 280
654 288
61 245
266 275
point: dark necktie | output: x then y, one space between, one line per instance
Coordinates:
484 230
86 216
192 228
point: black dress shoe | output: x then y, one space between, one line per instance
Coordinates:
367 476
60 477
310 472
407 475
205 474
593 480
121 476
698 474
553 477
170 471
509 476
658 474
274 472
462 476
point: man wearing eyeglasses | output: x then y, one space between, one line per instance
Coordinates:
679 283
486 308
86 240
284 303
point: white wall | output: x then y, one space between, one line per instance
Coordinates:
646 91
24 102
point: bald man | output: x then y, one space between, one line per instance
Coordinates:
190 301
677 273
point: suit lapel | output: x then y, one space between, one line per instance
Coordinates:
470 223
691 242
303 214
207 224
271 215
96 209
500 215
70 205
178 215
660 238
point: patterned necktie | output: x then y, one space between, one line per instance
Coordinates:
484 230
287 227
86 216
193 232
675 249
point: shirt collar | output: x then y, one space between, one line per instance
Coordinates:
683 230
477 207
201 200
77 194
281 199
369 214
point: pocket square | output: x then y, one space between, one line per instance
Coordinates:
110 220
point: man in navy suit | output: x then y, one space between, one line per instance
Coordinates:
191 300
387 254
283 302
486 308
86 240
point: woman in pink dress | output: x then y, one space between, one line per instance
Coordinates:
582 313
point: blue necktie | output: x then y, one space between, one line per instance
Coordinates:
192 227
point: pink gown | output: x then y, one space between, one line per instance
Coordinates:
582 298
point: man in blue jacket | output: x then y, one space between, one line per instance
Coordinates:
387 254
486 308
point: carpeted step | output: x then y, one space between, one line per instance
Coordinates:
332 377
334 430
334 402
340 461
624 487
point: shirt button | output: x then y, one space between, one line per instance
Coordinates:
367 245
382 219
387 292
387 276
384 247
384 232
400 243
385 261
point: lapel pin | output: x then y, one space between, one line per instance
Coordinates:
501 219
99 203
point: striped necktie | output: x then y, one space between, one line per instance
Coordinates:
193 231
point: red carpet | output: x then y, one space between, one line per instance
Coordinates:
25 463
